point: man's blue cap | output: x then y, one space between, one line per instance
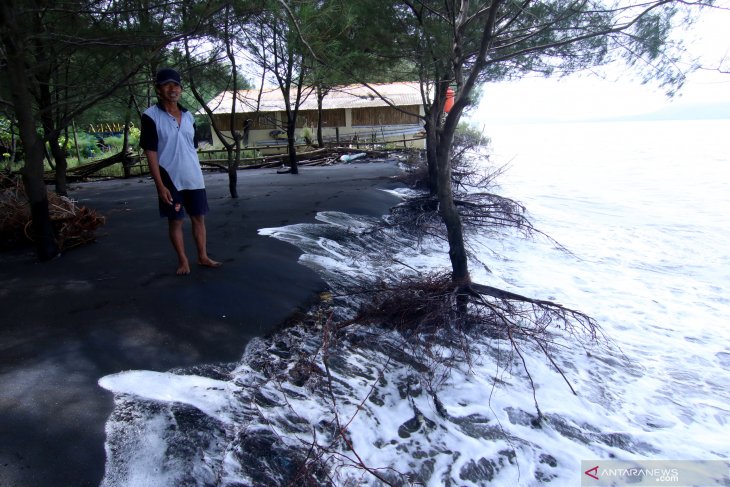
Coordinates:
167 75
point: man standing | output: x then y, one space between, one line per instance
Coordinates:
168 140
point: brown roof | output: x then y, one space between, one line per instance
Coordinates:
348 96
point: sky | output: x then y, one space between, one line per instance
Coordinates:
588 97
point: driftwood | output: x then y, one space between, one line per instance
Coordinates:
88 170
74 225
317 157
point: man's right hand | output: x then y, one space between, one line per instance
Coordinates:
164 195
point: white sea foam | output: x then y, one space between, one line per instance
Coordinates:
648 233
210 396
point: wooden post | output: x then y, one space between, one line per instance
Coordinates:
337 135
405 146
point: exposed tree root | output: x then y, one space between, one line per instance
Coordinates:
435 306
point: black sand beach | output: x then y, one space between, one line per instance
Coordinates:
116 305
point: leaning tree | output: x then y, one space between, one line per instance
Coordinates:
464 44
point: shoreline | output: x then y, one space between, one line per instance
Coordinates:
116 304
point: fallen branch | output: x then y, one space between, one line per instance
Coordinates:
315 157
88 170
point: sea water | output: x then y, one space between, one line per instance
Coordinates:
643 206
641 209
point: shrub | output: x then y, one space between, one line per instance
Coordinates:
86 142
134 134
115 141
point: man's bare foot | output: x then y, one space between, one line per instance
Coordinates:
208 262
183 269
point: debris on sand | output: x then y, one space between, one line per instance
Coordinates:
74 225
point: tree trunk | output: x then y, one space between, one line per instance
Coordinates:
452 220
13 146
444 137
46 102
48 158
19 83
126 162
432 126
59 155
291 143
233 179
450 215
431 160
234 155
320 98
76 142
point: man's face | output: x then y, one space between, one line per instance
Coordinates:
169 92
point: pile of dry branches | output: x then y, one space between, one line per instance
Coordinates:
74 225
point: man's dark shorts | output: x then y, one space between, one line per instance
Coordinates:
194 201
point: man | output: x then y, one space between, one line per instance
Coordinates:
168 140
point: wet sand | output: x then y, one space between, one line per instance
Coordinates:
116 304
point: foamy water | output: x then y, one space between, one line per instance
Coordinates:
643 209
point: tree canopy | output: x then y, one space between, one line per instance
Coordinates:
463 44
60 60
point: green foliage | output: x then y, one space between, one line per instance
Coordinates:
86 145
114 142
91 146
467 135
134 134
352 44
110 109
341 42
210 73
306 135
5 133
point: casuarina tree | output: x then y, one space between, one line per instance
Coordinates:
60 59
462 44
